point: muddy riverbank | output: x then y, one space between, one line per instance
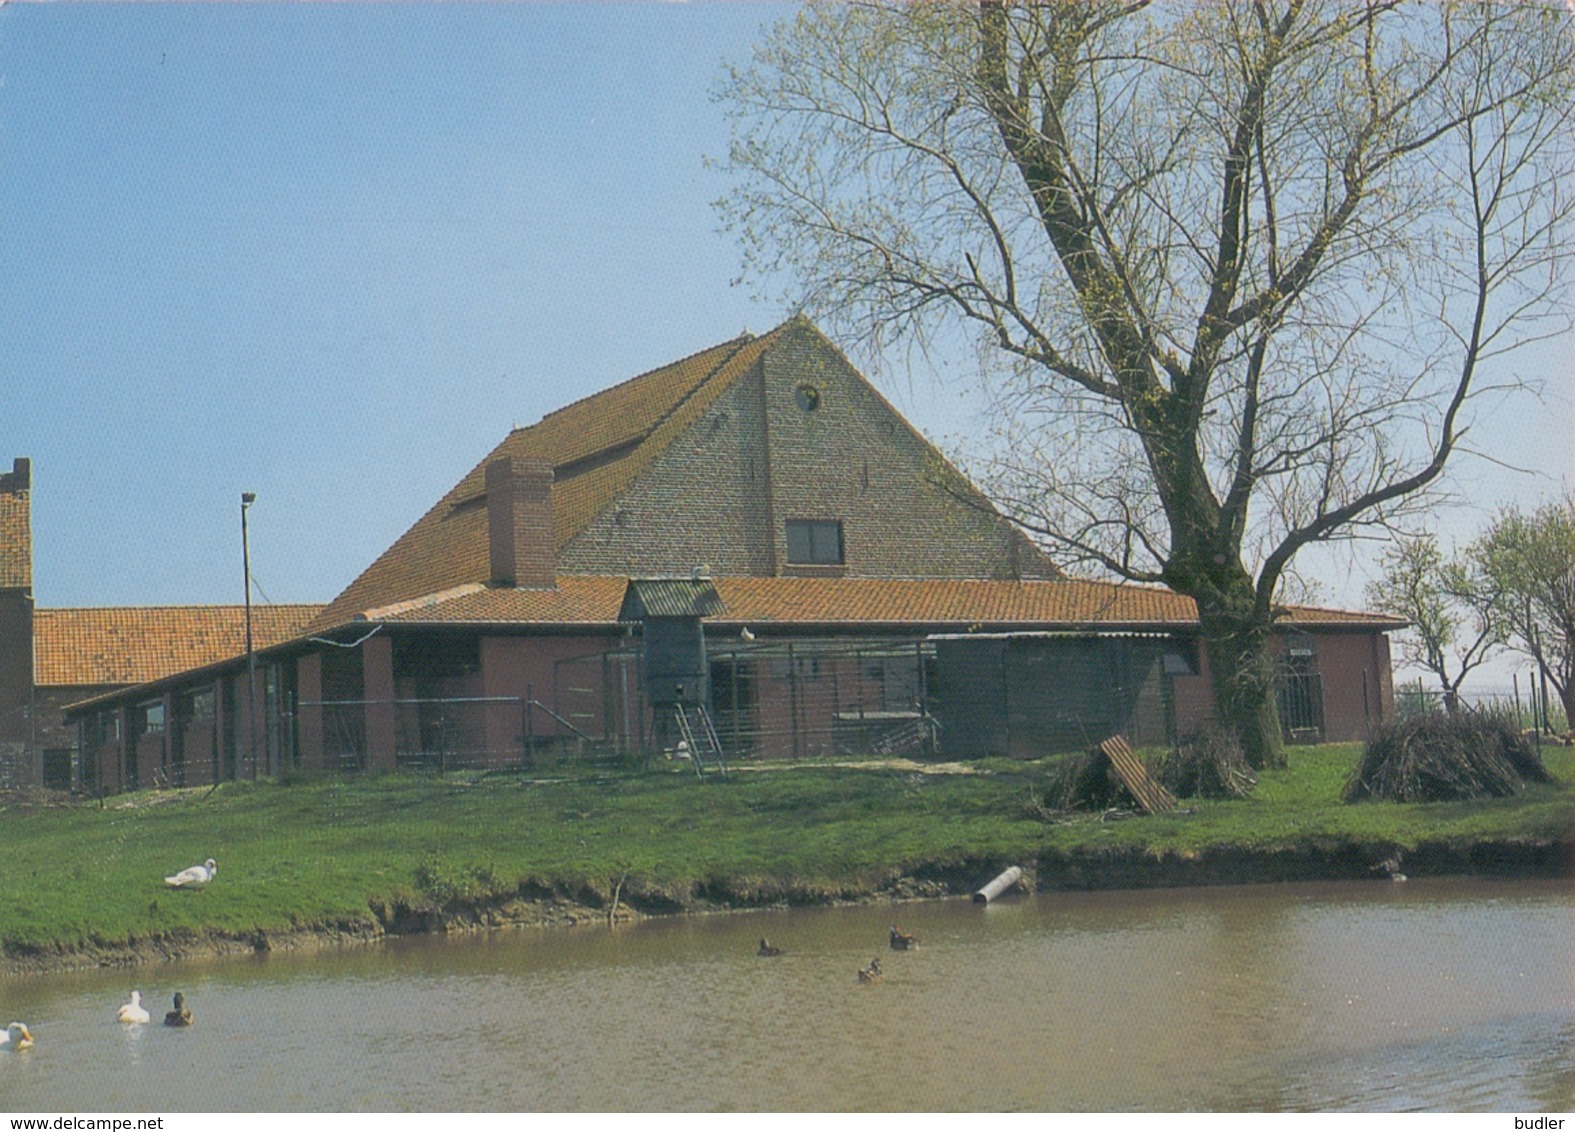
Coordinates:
537 905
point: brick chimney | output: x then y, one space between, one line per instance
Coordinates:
521 546
19 758
16 526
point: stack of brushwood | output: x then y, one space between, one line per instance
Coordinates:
1440 758
1209 763
1086 781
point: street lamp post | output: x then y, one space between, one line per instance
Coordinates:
247 499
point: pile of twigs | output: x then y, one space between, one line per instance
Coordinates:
1209 763
1438 758
1087 781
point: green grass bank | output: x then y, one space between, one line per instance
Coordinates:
325 859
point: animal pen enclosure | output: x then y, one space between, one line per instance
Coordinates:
782 699
1024 695
1019 695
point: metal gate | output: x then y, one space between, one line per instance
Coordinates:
1300 696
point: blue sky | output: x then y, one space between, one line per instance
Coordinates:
331 254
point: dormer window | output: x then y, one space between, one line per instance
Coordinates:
814 542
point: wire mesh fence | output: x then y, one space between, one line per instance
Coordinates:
798 699
1524 701
439 733
806 699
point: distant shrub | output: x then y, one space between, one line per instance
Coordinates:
1438 758
1209 763
444 884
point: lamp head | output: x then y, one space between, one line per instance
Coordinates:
248 498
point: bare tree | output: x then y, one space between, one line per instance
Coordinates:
1455 609
1238 263
1530 560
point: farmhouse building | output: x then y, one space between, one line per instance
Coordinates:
53 657
865 594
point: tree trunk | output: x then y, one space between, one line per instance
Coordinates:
1241 670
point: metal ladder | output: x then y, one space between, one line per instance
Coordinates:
704 746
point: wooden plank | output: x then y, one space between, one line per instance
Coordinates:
1153 797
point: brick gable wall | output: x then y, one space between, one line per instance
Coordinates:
854 459
701 503
720 494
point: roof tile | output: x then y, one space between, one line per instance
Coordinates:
870 602
82 648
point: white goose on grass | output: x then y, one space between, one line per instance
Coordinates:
194 877
134 1011
16 1036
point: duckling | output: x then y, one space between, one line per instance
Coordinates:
134 1011
180 1016
767 951
16 1036
903 941
872 973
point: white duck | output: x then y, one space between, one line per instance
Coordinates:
134 1011
194 877
16 1036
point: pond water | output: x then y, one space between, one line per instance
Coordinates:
1454 995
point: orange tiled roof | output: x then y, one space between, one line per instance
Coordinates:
16 542
80 648
577 600
1063 602
842 602
597 447
949 602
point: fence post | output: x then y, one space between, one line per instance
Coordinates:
524 727
530 723
792 701
607 708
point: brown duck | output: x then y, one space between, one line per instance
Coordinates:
903 941
180 1016
767 951
872 973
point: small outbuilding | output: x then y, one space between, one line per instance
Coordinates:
1020 694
